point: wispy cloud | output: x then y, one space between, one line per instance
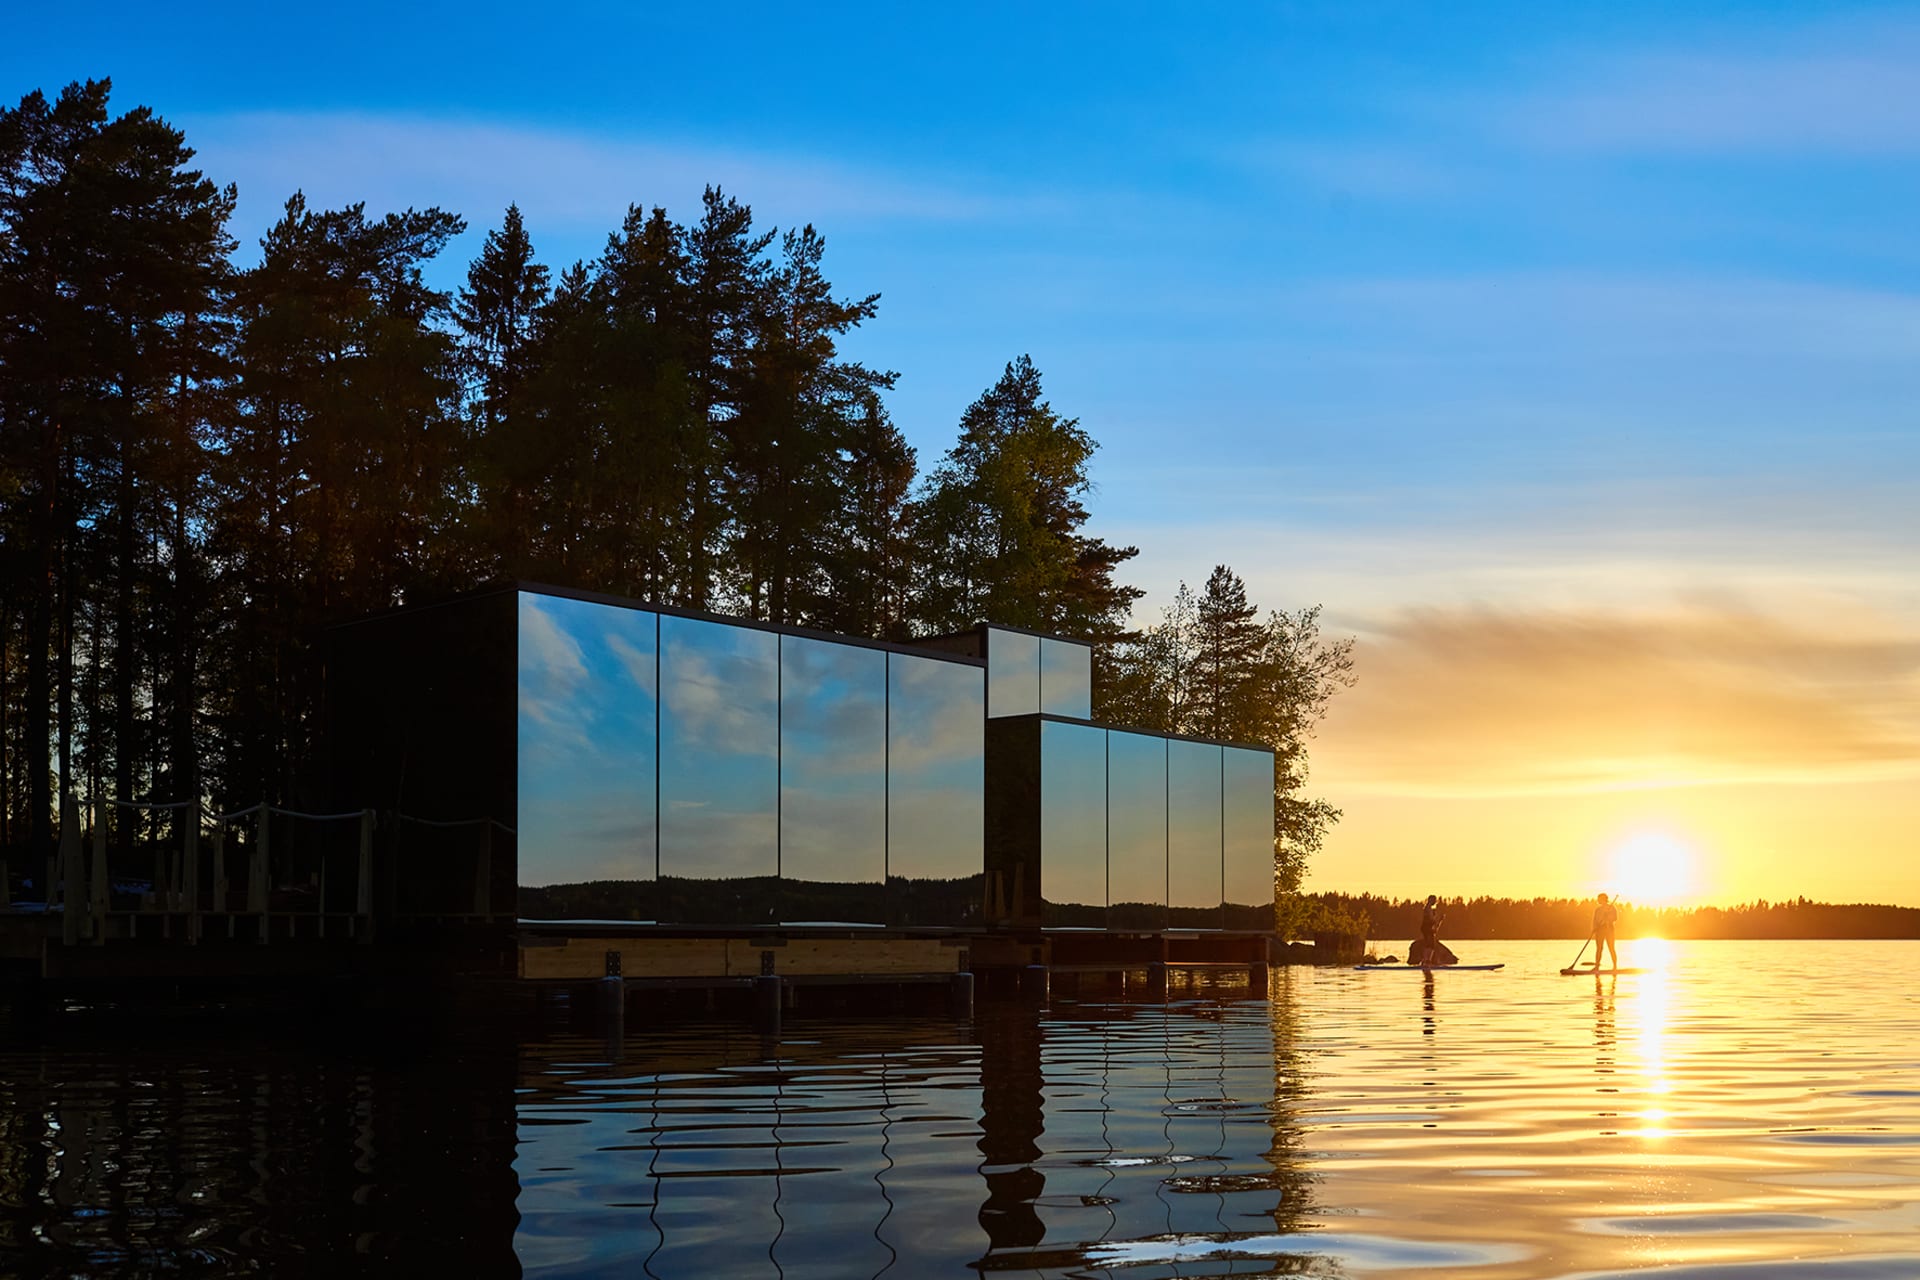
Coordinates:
1841 89
561 179
1505 702
1359 167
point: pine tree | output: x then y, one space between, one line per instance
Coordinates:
655 449
867 562
498 313
999 522
335 473
113 297
726 275
785 483
1228 644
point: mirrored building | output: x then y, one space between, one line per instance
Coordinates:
555 755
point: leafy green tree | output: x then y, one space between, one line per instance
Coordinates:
1302 671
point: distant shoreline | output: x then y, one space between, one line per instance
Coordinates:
1519 919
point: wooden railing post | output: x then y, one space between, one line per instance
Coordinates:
257 870
191 837
363 883
221 888
73 877
98 884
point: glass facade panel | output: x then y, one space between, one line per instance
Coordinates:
1136 830
1066 679
936 779
1073 824
719 769
833 780
1193 825
1013 673
586 741
1246 780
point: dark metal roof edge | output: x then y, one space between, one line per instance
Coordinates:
675 611
978 627
1045 716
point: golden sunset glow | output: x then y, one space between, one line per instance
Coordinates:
1703 753
1652 868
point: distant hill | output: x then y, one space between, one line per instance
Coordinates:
1391 919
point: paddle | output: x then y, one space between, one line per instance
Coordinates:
1583 951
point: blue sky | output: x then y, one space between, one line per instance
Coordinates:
1564 320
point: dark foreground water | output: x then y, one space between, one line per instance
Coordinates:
1741 1112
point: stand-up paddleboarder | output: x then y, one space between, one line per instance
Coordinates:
1430 918
1605 916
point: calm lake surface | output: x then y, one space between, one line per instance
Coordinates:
1741 1111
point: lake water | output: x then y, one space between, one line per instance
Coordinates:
1741 1111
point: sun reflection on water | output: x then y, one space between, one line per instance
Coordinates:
1653 1003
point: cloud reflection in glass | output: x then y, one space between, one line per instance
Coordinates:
833 762
586 741
1193 825
719 736
1073 823
936 768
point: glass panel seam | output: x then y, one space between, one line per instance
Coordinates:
658 694
886 774
779 754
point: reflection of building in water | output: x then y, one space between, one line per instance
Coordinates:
1106 1126
1286 1154
1013 1120
856 1151
654 765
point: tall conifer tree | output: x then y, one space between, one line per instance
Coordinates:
998 522
498 314
113 296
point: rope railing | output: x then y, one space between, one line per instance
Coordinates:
177 868
481 903
455 822
175 883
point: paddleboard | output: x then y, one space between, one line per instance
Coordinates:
1568 973
1414 968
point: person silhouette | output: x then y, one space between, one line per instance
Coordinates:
1429 931
1605 916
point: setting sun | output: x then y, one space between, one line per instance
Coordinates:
1653 868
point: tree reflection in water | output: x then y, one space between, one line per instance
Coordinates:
1030 1139
183 1146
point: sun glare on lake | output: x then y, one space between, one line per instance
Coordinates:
1653 868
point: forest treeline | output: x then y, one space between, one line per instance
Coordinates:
203 465
1398 919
